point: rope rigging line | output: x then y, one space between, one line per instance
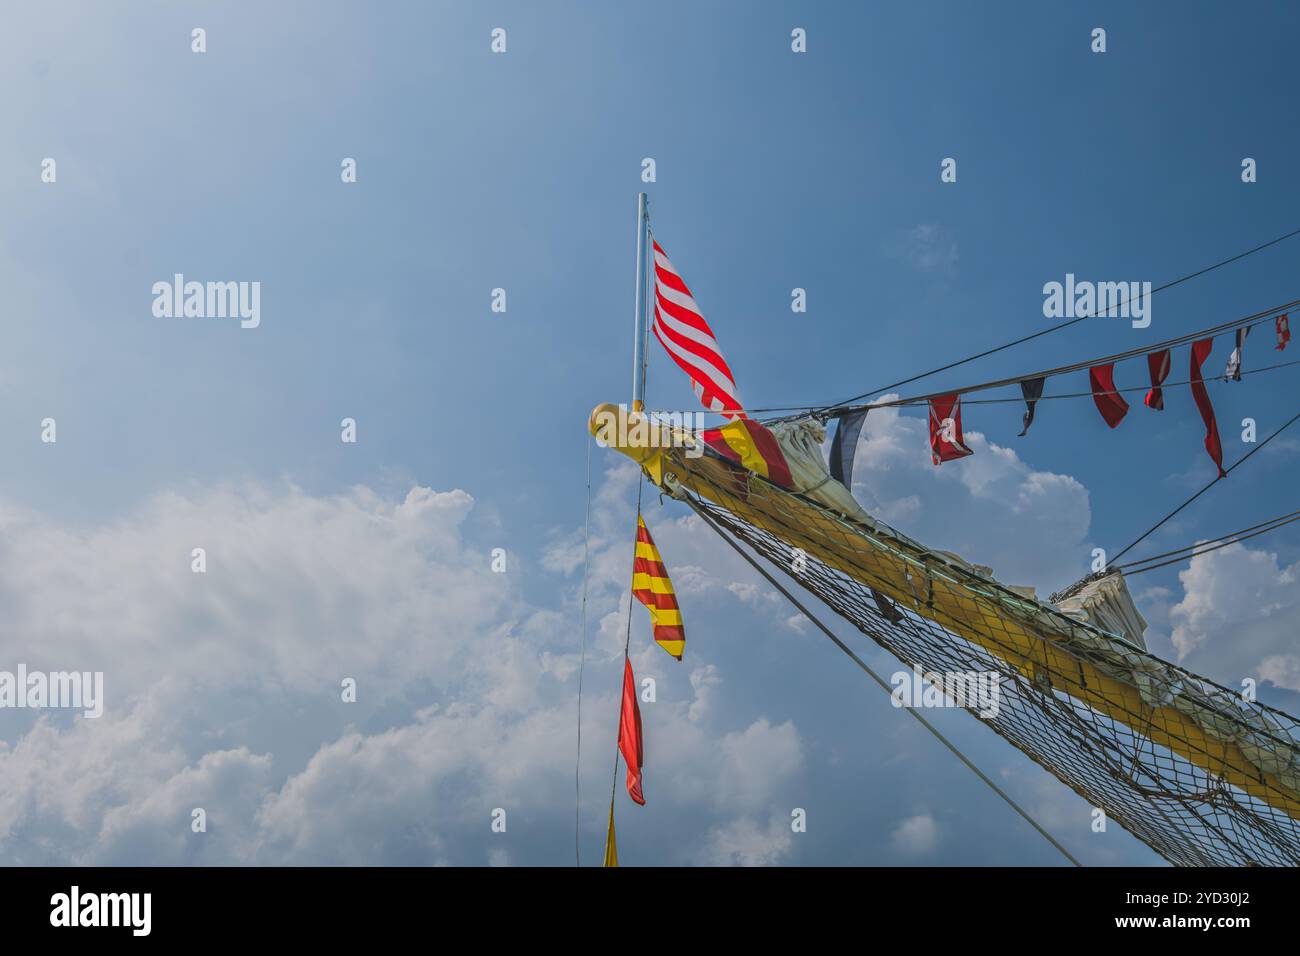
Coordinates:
1248 321
1227 471
1271 522
866 668
1059 326
1119 391
660 416
1204 547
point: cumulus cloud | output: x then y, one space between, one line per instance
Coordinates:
703 680
223 689
298 591
746 842
916 836
992 508
412 793
927 248
1237 615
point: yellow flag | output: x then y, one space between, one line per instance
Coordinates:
652 588
611 845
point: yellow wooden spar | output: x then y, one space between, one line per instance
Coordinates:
1055 652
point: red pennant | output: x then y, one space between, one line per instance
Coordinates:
1283 332
946 442
1158 366
1109 402
629 734
1200 352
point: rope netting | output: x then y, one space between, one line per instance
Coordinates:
1191 768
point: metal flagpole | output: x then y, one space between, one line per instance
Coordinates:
638 334
638 404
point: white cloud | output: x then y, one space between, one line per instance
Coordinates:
991 508
703 680
1237 615
916 836
746 842
414 791
299 591
1281 669
927 248
223 689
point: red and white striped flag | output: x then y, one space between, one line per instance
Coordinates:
682 331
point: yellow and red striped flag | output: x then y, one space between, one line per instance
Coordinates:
652 587
753 446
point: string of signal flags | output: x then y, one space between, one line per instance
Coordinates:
947 441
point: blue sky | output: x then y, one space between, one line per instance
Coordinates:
520 171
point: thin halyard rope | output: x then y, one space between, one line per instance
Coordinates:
1205 545
1130 570
1109 391
582 666
1247 322
1214 481
1062 325
921 400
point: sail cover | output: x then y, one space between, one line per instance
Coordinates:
1186 765
1106 602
